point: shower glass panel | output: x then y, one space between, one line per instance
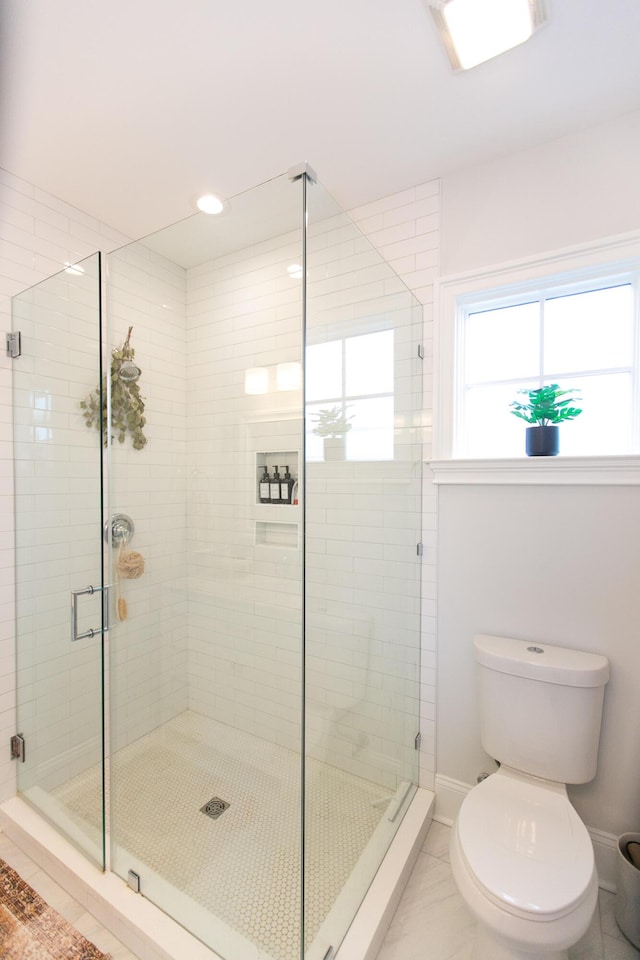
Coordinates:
362 570
206 648
59 549
254 511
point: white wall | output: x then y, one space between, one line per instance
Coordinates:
552 564
570 191
555 564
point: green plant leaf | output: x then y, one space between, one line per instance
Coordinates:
127 404
545 406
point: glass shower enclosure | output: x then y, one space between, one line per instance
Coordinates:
218 504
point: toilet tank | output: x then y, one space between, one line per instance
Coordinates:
541 707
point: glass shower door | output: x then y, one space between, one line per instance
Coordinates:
59 552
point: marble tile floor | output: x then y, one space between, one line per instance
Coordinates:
433 923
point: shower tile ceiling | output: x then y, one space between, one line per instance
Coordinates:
131 109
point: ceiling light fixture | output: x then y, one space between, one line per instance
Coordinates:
477 30
208 203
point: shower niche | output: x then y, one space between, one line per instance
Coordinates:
277 505
277 478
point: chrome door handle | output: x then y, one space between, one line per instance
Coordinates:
74 613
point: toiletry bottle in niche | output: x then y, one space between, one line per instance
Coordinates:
274 487
286 486
264 488
294 493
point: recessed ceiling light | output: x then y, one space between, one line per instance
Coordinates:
477 30
208 203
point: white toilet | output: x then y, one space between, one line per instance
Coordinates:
520 854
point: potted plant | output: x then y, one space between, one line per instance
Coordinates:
332 423
547 407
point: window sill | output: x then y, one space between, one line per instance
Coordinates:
621 470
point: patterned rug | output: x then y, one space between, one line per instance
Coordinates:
31 930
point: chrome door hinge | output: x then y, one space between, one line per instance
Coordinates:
14 344
419 549
133 881
17 747
417 741
421 351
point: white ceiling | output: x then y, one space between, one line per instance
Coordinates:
128 109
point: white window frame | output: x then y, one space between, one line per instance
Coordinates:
618 257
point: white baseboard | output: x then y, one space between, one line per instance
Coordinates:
605 847
450 794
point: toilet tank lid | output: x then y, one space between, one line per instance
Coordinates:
541 661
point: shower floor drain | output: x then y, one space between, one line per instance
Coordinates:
214 807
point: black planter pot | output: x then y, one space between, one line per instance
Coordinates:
543 441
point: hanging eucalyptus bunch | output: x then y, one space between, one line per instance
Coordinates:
127 406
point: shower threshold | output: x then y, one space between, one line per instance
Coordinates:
148 931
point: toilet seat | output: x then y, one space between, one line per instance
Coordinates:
525 846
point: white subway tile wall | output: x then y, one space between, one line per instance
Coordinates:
39 235
231 578
416 260
148 680
244 313
58 513
363 584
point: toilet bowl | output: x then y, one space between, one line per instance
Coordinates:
523 862
520 854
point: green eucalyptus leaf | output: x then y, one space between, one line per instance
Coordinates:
127 404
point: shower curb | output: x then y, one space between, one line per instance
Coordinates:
367 931
144 929
152 935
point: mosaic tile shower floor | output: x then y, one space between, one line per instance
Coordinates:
244 866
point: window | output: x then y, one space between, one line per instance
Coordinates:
578 333
355 376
